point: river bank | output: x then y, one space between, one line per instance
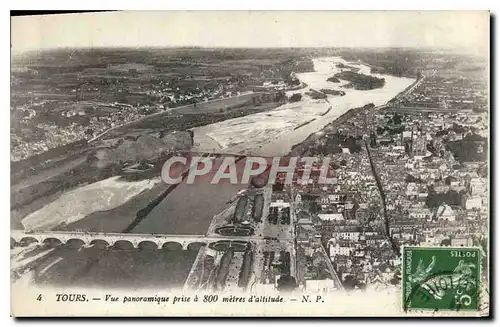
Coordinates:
275 132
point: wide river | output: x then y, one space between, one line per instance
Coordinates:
274 132
188 210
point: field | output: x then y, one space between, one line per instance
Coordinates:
90 74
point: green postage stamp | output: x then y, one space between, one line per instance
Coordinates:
442 278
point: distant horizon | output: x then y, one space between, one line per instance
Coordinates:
145 47
435 30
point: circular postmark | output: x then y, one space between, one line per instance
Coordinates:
444 290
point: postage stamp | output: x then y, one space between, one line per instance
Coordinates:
441 278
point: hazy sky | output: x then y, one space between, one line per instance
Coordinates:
465 30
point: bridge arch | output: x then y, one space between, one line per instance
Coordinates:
148 245
25 241
123 245
99 244
195 246
75 243
52 242
172 246
13 243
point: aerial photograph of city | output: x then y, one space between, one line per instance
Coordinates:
364 150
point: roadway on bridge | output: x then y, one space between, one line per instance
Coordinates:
112 238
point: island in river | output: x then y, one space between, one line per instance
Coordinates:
360 81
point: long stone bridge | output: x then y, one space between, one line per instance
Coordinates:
155 241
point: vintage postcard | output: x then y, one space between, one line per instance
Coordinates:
250 163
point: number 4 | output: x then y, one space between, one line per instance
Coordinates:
39 298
